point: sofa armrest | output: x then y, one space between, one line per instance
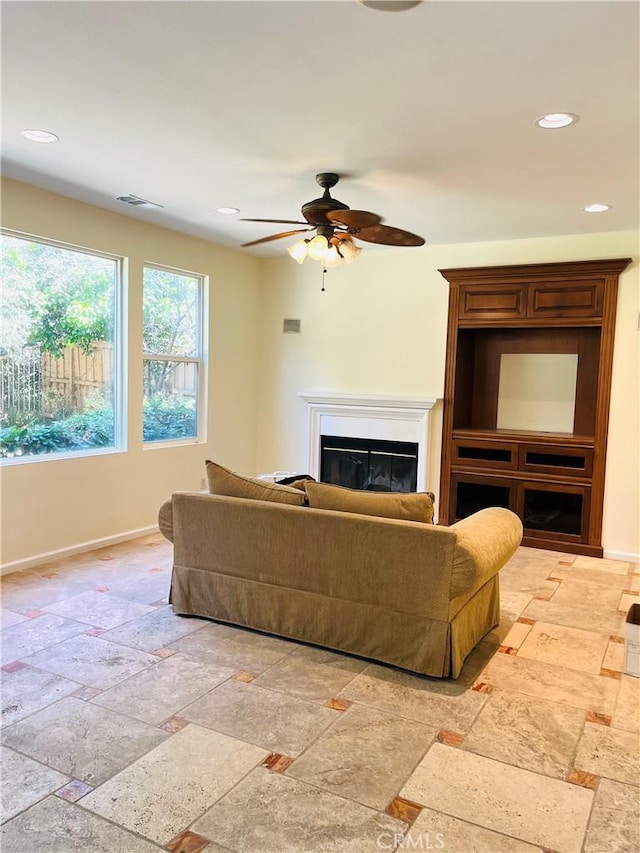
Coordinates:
484 543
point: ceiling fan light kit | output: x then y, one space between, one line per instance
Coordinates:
336 225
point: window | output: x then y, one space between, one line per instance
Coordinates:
173 355
59 349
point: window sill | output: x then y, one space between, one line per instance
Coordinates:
27 459
167 445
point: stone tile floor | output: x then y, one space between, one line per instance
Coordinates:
127 729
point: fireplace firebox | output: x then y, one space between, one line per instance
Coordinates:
371 464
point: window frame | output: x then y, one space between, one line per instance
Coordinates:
119 351
201 359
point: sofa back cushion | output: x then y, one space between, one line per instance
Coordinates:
409 506
222 481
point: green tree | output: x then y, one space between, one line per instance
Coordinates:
53 297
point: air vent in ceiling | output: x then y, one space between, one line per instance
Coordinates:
136 201
291 327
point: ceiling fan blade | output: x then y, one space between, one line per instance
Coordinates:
277 236
281 221
353 218
389 236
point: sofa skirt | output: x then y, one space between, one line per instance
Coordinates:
413 642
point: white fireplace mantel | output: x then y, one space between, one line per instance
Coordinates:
372 416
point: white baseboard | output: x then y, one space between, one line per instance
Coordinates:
625 556
92 545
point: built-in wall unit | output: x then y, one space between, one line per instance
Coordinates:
527 391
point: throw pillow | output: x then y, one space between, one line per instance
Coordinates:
222 481
410 506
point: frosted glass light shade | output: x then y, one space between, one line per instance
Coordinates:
299 251
332 258
317 247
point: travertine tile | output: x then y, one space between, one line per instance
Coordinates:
164 791
580 605
555 683
155 630
311 673
267 718
237 648
92 660
365 756
29 690
512 604
614 657
513 637
573 648
608 752
528 574
529 720
540 736
591 576
616 567
162 690
23 590
32 636
99 609
501 798
82 740
142 588
532 560
55 826
615 820
436 703
436 831
627 710
24 782
271 813
540 553
8 618
627 600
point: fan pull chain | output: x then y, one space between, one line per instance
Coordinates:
324 272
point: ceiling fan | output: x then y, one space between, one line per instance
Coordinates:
336 226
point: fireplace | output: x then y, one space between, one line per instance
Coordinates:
363 463
378 425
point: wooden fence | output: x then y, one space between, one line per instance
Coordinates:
40 384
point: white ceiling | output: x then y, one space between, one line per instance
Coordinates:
428 114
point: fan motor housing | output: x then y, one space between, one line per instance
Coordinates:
315 211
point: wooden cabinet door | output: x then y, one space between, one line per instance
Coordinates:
562 300
503 302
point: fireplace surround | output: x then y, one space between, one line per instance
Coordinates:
369 417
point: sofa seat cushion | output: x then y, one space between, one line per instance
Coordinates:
408 506
222 481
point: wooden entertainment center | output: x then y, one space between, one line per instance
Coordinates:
529 344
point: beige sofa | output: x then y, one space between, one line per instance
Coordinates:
406 593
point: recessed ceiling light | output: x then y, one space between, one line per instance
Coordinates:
40 136
552 121
390 5
228 210
596 208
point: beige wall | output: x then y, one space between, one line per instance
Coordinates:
380 327
50 505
